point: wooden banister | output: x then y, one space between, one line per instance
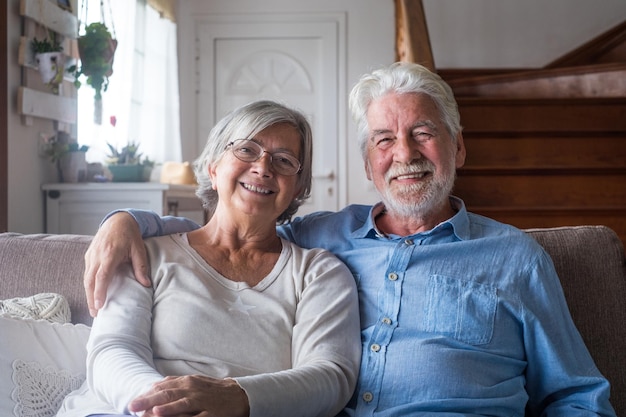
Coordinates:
412 40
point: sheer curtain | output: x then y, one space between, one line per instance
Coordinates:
143 91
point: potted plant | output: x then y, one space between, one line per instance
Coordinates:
128 165
96 48
50 61
67 154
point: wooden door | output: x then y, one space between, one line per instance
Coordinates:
291 59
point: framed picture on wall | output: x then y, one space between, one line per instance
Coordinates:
65 4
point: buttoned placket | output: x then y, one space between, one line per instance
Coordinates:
389 305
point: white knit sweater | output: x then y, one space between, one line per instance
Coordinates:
291 342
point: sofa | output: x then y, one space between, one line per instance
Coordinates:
590 262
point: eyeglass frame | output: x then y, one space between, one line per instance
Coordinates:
286 155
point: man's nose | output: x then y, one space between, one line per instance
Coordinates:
406 150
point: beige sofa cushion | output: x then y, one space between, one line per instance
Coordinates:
38 263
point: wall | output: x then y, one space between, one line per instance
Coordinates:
26 170
464 34
514 33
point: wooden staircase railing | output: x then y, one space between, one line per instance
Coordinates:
599 80
547 147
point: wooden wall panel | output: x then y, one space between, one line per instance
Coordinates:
545 162
543 115
544 191
573 152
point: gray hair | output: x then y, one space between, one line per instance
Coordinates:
402 78
244 123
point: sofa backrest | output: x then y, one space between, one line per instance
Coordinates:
590 262
38 263
591 265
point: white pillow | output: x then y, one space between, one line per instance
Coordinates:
40 363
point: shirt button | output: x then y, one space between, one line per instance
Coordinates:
392 276
375 347
368 396
408 242
386 320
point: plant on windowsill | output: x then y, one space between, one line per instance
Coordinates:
128 165
50 61
68 156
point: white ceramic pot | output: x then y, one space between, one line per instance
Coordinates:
51 66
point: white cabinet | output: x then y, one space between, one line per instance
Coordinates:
78 208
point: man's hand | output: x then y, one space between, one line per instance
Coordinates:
117 241
193 395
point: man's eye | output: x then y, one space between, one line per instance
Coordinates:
422 136
383 141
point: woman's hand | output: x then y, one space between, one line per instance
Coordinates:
193 395
117 241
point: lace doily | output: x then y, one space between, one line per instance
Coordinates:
39 392
45 306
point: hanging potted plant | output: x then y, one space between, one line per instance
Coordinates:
50 61
96 48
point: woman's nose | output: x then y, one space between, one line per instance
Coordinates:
263 165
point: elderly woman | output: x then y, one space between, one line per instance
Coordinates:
238 322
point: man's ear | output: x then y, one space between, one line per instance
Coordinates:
460 151
368 171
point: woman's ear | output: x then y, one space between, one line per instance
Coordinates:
212 175
296 194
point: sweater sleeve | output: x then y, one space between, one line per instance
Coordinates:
326 348
119 357
151 224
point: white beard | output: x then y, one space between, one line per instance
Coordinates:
418 200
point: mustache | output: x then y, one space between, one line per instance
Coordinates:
408 169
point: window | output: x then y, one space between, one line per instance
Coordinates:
143 90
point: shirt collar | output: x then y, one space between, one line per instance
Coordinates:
459 223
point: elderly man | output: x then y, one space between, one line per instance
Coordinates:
460 315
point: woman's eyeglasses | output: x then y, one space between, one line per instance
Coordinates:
247 150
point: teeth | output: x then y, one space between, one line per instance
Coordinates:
413 175
256 189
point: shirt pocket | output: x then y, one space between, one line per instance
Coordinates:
462 310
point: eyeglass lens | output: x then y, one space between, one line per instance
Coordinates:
249 151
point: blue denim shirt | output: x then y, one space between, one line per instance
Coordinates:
467 319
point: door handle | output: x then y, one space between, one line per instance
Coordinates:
328 176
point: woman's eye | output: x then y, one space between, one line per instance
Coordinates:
283 160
